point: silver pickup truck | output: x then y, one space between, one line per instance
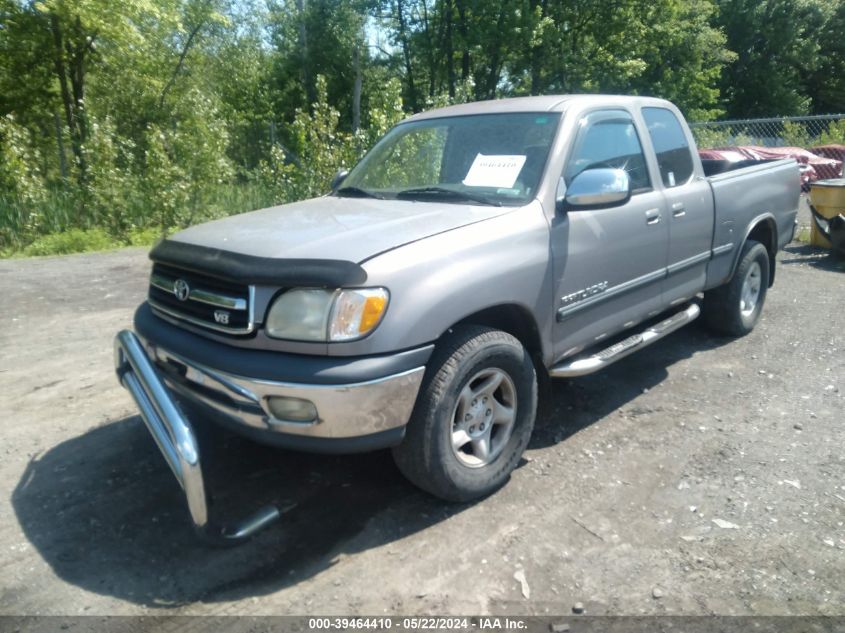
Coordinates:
472 250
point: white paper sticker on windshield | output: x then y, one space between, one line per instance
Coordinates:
494 171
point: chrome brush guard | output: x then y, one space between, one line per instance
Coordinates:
177 441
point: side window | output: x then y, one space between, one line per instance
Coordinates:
609 139
670 145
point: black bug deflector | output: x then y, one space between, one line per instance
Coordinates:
177 441
249 269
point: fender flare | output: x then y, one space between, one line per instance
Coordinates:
769 219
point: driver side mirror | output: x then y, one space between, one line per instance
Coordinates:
338 178
595 188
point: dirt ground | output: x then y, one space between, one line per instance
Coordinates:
700 476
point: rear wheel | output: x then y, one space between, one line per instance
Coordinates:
473 417
735 308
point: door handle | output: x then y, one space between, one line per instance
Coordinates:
678 210
652 216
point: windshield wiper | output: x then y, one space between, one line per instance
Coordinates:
357 192
443 192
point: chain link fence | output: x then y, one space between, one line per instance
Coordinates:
816 142
805 132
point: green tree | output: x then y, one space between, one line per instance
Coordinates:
683 56
665 48
317 37
19 175
826 83
237 66
777 46
76 30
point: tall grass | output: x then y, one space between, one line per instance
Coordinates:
58 224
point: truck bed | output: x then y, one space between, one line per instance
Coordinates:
741 195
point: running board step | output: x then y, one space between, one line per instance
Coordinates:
589 364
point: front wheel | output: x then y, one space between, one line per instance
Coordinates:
473 417
735 308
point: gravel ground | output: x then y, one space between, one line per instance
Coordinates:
700 476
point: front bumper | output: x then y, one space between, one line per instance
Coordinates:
348 415
363 403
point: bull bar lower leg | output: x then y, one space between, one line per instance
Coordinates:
177 441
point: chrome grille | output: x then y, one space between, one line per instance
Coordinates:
201 300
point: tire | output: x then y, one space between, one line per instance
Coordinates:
726 308
459 382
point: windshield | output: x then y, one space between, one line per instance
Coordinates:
485 159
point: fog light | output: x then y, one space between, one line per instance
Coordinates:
292 409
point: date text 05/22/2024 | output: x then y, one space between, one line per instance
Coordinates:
419 624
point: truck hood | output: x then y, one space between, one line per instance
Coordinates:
351 229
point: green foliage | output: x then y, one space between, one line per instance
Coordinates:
825 84
803 235
71 241
715 137
779 47
21 224
165 182
142 237
136 118
86 240
19 162
386 110
682 32
111 180
834 135
319 148
183 163
795 135
710 138
463 92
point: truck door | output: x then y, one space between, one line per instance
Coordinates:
609 263
689 202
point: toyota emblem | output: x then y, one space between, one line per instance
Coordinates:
181 289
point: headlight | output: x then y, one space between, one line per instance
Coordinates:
301 314
315 314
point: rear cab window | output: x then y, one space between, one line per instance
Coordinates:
674 156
